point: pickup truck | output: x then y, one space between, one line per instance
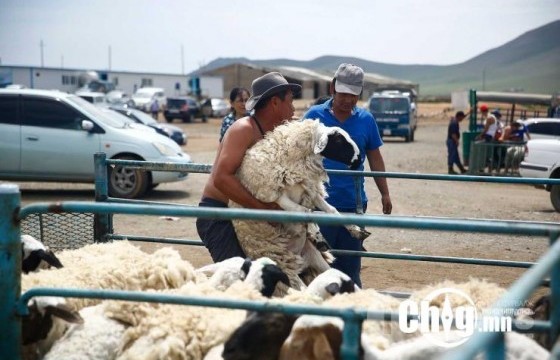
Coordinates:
394 113
542 160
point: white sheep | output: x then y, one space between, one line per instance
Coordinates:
101 334
48 319
181 332
286 167
330 283
124 329
35 255
118 265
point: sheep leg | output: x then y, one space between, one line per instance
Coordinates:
356 231
288 204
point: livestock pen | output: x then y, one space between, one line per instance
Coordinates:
12 216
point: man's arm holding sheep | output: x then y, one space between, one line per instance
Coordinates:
376 163
234 147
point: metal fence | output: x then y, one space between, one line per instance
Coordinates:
353 317
496 158
102 229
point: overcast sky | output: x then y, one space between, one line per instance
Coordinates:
147 36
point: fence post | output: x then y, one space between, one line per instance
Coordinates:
102 223
555 294
10 272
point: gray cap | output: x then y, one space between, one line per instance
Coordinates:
349 79
268 85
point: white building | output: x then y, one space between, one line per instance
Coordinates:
70 80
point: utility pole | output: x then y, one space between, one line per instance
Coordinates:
182 60
41 46
109 57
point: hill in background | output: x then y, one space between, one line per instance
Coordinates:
529 63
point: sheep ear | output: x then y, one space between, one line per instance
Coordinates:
246 266
322 133
65 313
333 288
50 258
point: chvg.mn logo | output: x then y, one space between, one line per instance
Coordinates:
448 326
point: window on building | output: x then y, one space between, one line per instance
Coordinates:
146 82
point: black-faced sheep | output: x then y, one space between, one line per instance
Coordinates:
35 255
48 319
286 167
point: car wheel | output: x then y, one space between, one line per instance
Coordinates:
168 119
204 119
127 183
555 197
187 119
412 136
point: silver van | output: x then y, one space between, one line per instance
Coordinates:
52 136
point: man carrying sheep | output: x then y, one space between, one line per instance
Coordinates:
342 111
271 104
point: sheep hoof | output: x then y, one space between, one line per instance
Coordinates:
358 232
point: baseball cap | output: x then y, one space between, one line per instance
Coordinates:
349 79
497 113
483 107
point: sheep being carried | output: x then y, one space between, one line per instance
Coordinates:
286 167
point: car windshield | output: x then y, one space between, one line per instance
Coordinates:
110 118
388 105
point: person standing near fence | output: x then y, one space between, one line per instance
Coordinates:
271 103
341 111
237 98
453 137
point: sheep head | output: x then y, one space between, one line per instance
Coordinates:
335 144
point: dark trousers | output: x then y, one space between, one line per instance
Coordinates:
339 238
453 154
218 235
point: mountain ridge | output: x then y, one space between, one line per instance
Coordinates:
528 63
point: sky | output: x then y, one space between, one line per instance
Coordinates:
178 37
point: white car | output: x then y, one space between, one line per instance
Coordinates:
52 136
542 160
543 128
144 97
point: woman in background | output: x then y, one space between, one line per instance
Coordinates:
237 98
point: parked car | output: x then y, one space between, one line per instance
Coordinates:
394 113
96 98
119 97
543 128
52 136
174 132
144 97
218 107
542 160
183 107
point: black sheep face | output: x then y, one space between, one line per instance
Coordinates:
33 261
335 144
260 337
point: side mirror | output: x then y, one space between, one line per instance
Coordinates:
87 125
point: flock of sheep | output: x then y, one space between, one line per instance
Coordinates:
82 328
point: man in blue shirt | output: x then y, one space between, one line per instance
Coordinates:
342 111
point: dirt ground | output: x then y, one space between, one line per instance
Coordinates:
427 154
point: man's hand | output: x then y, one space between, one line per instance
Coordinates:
387 205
